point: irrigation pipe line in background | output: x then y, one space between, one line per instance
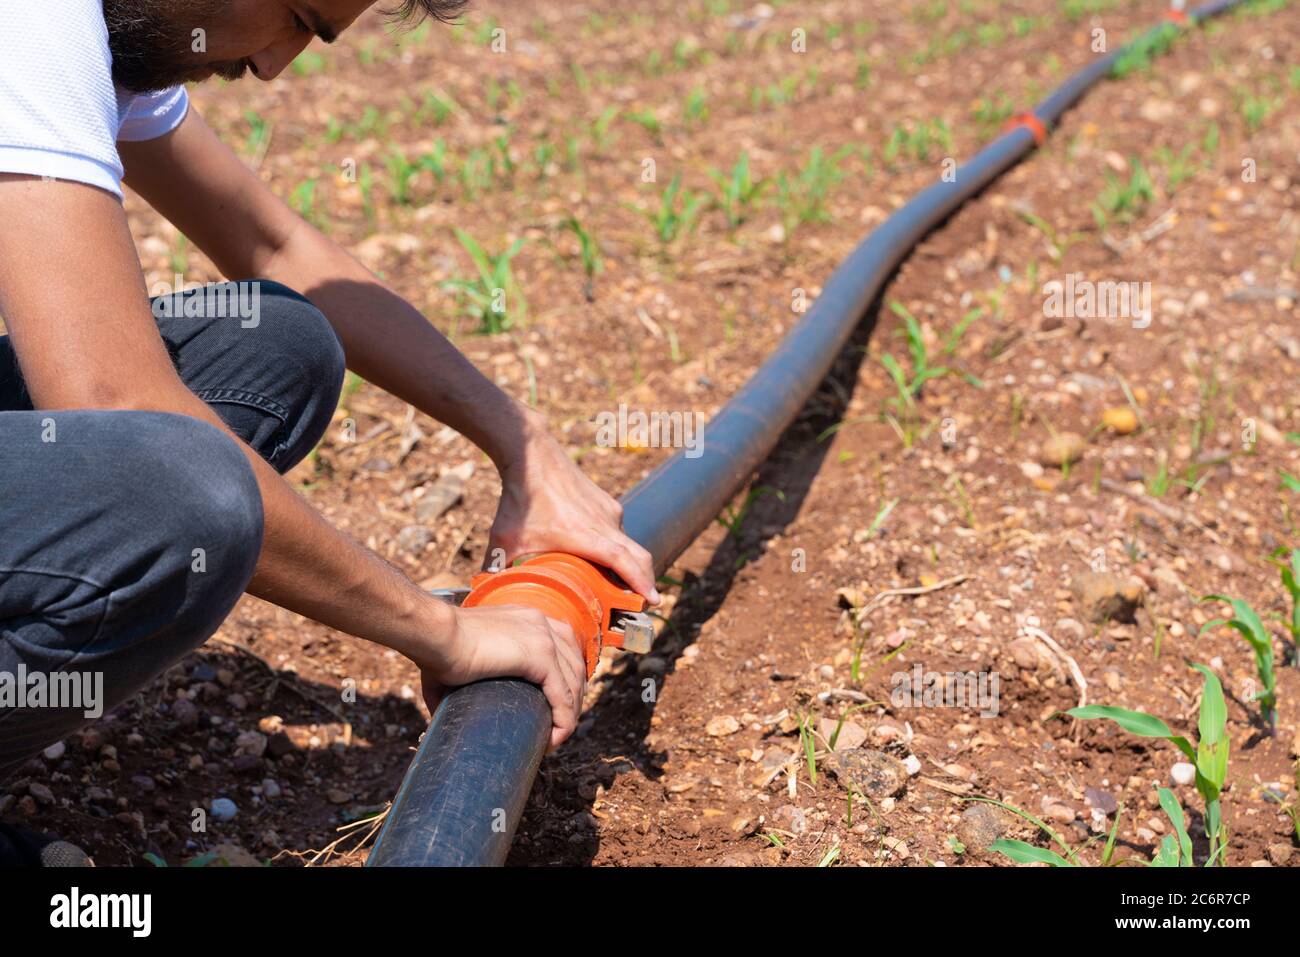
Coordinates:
465 790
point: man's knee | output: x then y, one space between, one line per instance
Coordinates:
200 518
156 534
313 366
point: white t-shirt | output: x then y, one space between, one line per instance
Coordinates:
60 114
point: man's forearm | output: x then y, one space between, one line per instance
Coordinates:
389 343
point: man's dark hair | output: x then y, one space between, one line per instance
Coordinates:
415 10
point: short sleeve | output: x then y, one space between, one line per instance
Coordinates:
152 115
58 108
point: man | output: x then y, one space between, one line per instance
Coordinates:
142 444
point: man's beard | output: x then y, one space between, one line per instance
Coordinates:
152 42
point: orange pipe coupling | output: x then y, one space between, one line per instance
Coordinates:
570 589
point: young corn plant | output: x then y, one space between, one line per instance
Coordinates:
1209 756
737 191
590 253
907 390
803 197
648 121
401 177
696 109
492 298
673 219
1246 622
1124 200
1291 582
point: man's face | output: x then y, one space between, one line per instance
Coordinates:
162 43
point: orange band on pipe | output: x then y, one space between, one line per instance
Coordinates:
1030 122
1176 16
565 588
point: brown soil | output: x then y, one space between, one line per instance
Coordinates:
758 634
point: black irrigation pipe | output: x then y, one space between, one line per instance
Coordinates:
467 785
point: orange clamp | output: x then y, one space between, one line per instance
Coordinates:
1174 15
1030 122
573 590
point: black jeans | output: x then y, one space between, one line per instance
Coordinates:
127 537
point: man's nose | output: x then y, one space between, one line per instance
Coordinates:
271 61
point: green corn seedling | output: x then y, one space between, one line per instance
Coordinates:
1246 622
485 298
590 253
803 197
648 121
670 222
1209 756
737 191
1291 582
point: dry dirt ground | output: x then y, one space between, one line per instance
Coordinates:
1183 174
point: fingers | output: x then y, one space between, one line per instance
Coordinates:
565 681
433 695
633 564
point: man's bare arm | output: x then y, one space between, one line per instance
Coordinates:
75 305
194 180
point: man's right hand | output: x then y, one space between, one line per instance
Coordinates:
511 641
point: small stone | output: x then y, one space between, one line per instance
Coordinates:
1103 596
721 726
41 793
251 742
774 761
1025 653
1183 774
223 809
1121 420
185 712
270 789
338 796
791 818
414 539
980 826
896 847
232 855
203 672
873 774
742 825
270 724
444 493
913 765
1062 449
851 734
1103 801
1060 812
55 751
1280 854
